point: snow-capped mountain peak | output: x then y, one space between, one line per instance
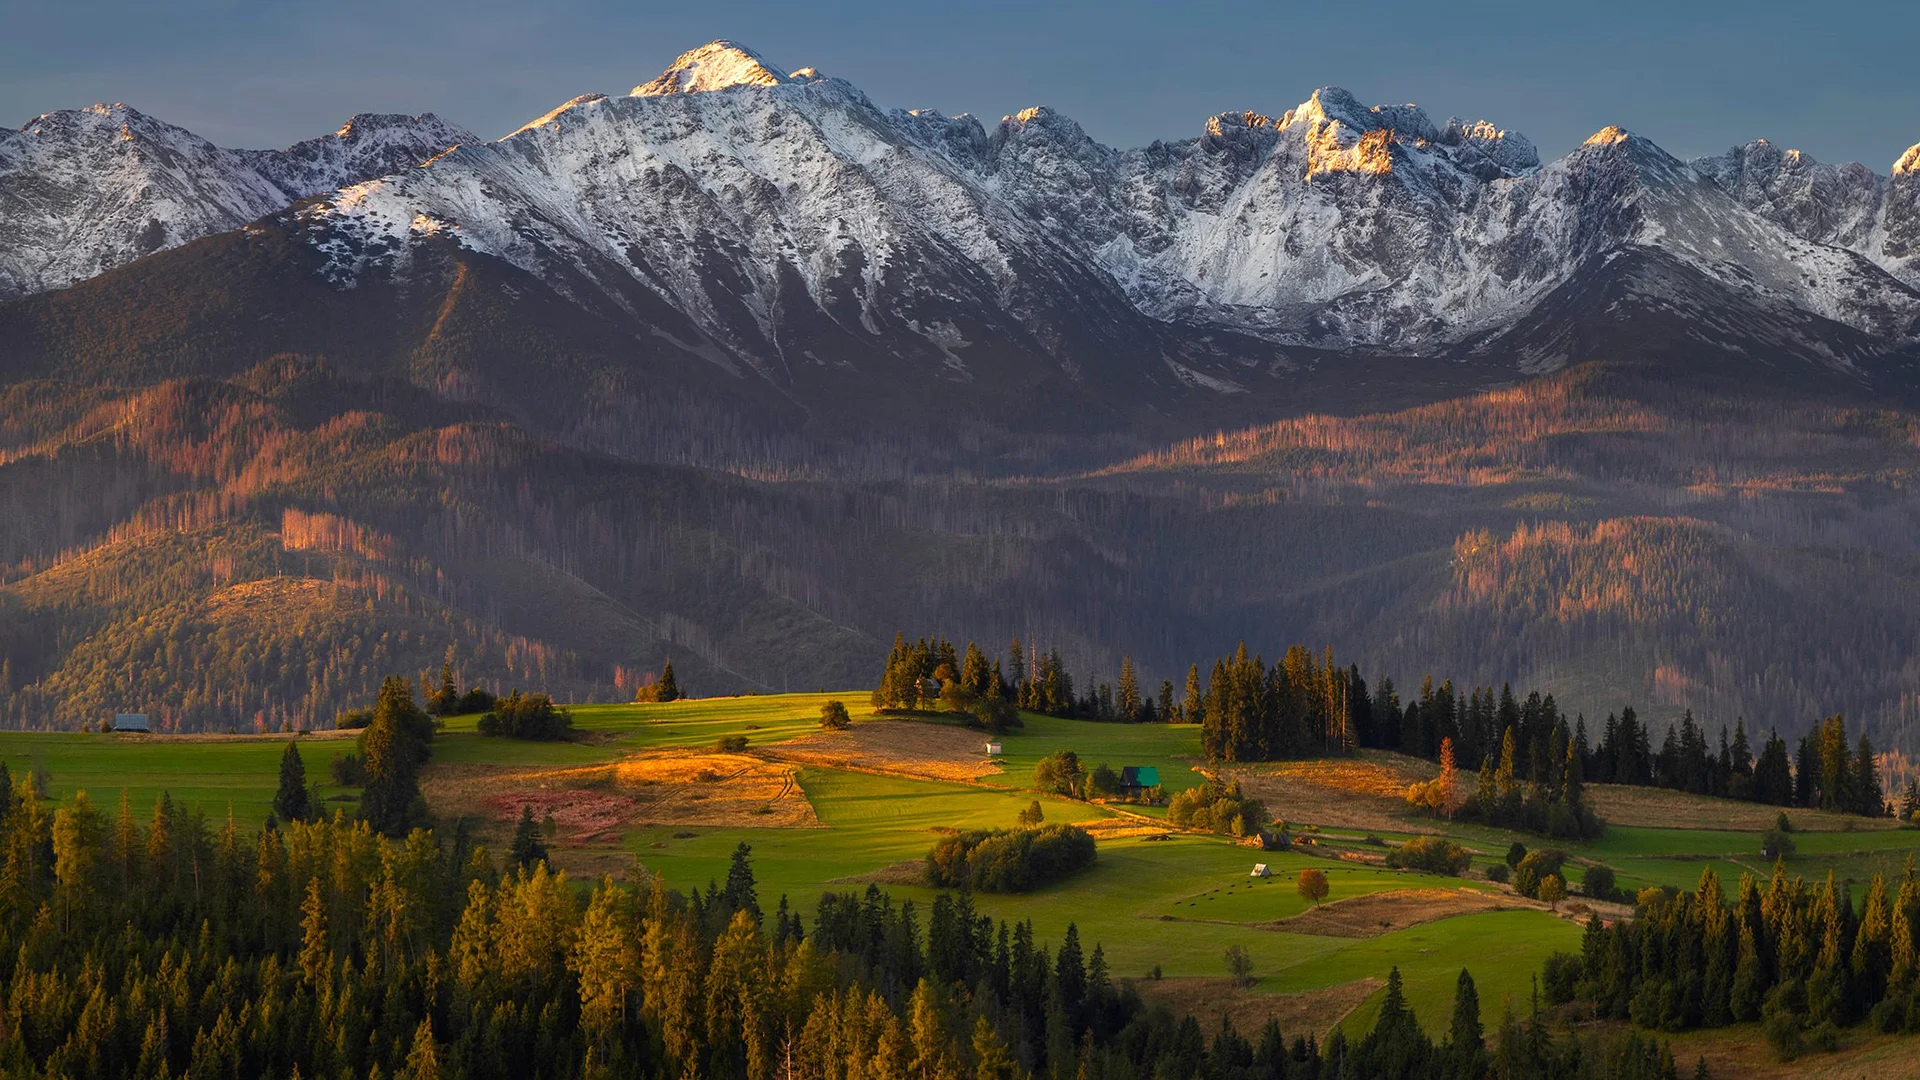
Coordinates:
790 224
717 65
1909 162
85 190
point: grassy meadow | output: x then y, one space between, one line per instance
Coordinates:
1156 900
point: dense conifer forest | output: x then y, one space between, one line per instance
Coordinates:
1529 762
162 944
253 545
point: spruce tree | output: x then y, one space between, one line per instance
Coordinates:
1127 693
1466 1040
741 892
526 849
393 747
666 689
293 802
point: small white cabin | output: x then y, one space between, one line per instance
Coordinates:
993 747
1260 870
130 721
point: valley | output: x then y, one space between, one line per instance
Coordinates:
1163 902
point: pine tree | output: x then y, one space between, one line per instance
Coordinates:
316 955
526 849
667 689
1868 798
394 746
1190 708
1127 693
1466 1040
741 892
293 802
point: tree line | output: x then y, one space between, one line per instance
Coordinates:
1532 758
1796 956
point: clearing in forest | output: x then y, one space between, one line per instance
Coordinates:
1659 808
1364 792
905 747
1374 914
1307 1012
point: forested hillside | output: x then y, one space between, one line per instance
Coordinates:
255 549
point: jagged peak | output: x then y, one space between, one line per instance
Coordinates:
1909 162
1611 135
556 114
361 123
1331 105
1511 151
717 65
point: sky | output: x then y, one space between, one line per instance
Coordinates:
1839 79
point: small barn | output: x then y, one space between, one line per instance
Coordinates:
1138 778
130 721
1260 870
993 747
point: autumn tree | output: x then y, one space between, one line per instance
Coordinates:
1312 885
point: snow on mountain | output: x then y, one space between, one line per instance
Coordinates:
85 190
795 224
1848 206
716 65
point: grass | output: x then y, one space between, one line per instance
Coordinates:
210 776
1174 749
1174 904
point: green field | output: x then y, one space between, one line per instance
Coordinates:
1173 904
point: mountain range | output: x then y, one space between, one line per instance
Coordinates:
745 367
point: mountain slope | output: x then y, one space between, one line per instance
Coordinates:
85 190
1848 205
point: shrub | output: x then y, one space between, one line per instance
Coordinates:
1240 964
1033 815
731 744
834 716
1102 782
1775 844
1515 853
1010 860
1217 809
1535 868
1561 977
1499 873
1060 773
1598 883
527 716
476 700
1433 854
353 719
348 769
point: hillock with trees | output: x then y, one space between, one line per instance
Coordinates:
1217 808
527 716
1010 860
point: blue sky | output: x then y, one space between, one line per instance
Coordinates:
1838 79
